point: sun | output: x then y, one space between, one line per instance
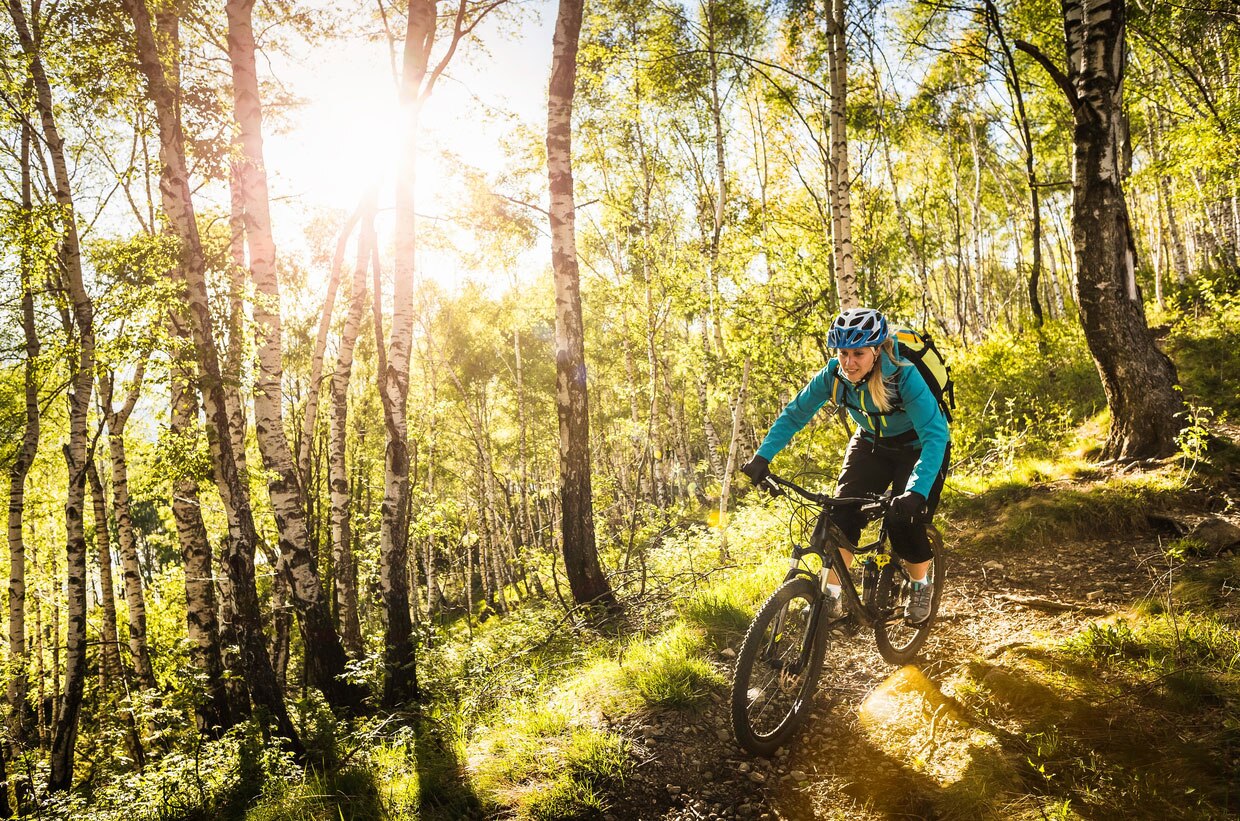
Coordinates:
345 135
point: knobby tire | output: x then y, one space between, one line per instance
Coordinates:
772 690
898 641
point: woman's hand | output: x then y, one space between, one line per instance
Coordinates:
757 469
909 506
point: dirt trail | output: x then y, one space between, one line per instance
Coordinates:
843 765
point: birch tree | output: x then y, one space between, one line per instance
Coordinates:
345 568
585 574
325 657
417 82
841 179
18 678
79 326
1139 379
179 209
220 709
134 598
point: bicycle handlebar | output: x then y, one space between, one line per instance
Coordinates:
868 503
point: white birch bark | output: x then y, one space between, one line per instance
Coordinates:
222 707
338 476
238 554
585 575
82 346
110 667
127 544
326 663
310 420
841 179
19 680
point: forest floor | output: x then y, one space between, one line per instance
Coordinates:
1033 698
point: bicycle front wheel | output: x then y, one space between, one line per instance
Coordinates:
898 641
777 668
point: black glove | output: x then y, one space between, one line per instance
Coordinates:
909 506
757 469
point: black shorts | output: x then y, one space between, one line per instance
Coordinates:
872 466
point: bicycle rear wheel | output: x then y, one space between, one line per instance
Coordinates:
777 668
898 641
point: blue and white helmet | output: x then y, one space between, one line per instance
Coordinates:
858 328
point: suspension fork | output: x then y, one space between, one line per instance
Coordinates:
828 540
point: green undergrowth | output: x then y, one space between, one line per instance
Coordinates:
1022 393
532 694
1135 717
1037 503
1205 344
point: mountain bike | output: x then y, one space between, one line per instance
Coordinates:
782 655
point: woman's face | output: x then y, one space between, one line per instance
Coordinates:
856 363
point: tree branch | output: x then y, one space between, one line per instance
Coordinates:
1061 79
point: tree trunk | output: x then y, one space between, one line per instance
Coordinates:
325 665
320 343
113 673
221 708
130 565
109 652
338 481
1026 142
1139 380
23 460
281 616
235 351
585 575
238 554
82 384
738 414
841 179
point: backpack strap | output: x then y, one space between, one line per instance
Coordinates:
840 403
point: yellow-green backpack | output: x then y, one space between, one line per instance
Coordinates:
919 349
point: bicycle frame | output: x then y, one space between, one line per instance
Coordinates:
826 542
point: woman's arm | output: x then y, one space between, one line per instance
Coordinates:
798 412
931 425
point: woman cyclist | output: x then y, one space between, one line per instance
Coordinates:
902 442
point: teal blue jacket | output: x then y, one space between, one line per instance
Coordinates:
915 408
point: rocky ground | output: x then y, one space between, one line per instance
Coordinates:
840 766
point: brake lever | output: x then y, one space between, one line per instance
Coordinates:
771 487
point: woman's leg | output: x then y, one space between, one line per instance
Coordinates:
864 472
909 540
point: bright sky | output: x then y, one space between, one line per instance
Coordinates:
346 133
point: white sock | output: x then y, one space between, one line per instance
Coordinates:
919 582
834 589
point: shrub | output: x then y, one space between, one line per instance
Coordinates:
1022 392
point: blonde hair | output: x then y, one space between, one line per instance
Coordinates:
879 388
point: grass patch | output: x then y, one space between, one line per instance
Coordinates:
541 765
349 795
725 609
670 671
1215 584
1013 513
723 614
1132 717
